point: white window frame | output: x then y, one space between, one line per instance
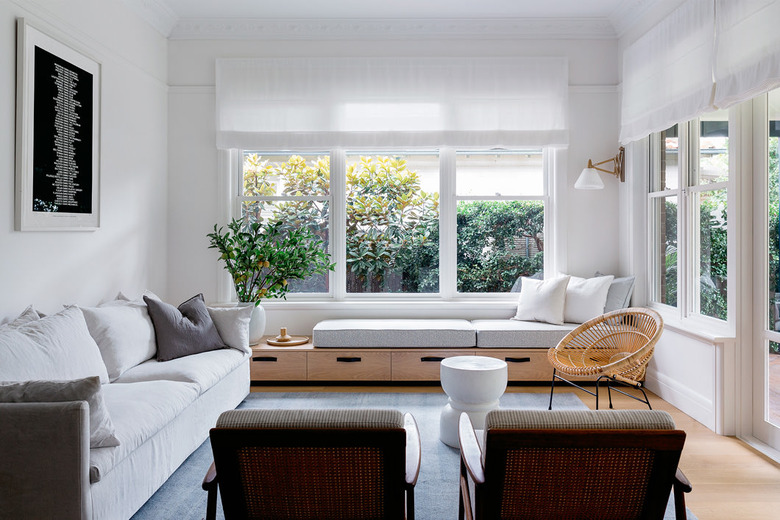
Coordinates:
232 165
688 233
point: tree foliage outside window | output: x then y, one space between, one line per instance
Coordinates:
392 239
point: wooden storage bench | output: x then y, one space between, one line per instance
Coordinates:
407 350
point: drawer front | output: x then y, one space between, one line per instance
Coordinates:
523 364
349 365
424 365
278 366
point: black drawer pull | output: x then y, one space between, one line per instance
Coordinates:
265 358
517 360
431 358
348 359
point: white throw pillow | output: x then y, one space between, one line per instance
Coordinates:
101 429
57 347
542 300
124 333
233 325
585 298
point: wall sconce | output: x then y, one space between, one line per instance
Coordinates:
589 179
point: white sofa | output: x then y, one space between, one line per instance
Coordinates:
160 412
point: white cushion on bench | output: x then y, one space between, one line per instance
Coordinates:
386 333
520 334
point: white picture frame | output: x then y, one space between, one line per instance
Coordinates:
57 135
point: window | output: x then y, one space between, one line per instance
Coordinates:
500 219
393 219
291 188
392 213
689 178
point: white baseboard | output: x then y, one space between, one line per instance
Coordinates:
684 398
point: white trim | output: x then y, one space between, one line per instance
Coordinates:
675 393
448 224
156 13
338 222
392 29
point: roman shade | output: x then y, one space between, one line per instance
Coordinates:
747 60
667 73
706 55
363 103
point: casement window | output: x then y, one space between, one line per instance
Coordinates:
688 203
430 223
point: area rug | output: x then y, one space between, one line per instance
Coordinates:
436 493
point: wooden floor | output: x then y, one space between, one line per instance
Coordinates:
730 479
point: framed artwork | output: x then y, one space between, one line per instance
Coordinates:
57 135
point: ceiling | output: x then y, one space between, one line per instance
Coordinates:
234 18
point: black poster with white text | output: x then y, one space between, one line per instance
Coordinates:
62 140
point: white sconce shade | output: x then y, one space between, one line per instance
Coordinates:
589 179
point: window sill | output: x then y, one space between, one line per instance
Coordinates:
700 328
396 306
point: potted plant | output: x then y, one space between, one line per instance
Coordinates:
263 258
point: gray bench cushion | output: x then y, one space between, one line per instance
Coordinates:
394 333
519 334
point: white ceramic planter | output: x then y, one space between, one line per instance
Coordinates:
256 323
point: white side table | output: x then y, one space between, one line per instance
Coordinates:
473 385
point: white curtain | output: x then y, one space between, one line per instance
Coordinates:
361 103
747 60
667 73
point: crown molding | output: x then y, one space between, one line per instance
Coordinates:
156 13
348 29
628 13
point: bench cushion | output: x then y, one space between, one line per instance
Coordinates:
368 333
519 334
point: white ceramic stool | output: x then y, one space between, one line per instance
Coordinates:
473 384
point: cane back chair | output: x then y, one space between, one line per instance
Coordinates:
314 464
615 347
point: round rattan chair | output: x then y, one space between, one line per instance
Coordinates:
615 347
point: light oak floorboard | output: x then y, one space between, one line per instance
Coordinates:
730 479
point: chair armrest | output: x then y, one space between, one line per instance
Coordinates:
470 452
413 449
681 486
44 460
682 482
211 477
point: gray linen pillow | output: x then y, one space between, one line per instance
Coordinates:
185 330
619 294
101 429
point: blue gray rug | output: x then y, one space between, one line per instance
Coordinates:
436 493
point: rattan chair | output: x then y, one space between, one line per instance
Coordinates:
314 464
571 465
614 347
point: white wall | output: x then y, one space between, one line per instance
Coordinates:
129 250
590 219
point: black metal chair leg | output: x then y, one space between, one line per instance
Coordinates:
552 389
647 401
609 393
597 392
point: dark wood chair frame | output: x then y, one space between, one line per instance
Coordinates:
400 450
488 481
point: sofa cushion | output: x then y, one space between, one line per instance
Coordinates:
124 333
204 369
393 333
520 334
101 429
29 314
139 411
184 330
57 347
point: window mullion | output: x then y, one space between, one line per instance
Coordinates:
338 223
448 232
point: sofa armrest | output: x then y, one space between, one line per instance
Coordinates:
44 460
